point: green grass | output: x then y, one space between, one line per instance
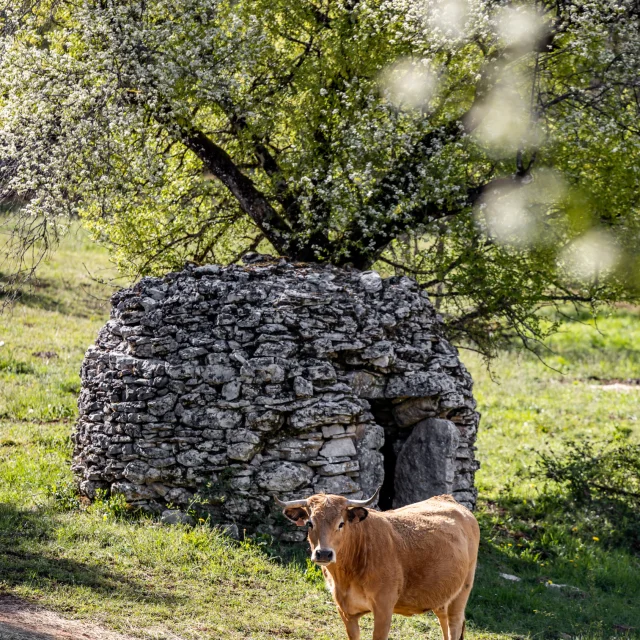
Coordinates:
153 581
531 528
59 316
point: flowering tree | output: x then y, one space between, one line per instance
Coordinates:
488 149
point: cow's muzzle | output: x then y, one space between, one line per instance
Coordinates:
323 556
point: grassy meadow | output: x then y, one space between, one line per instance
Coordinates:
136 576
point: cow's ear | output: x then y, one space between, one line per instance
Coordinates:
298 515
356 514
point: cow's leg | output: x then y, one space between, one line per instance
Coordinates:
456 608
456 619
443 619
351 624
382 621
456 615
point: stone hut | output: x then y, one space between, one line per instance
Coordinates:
219 387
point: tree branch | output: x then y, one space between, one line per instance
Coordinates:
221 165
268 164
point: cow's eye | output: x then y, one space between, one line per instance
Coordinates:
310 524
341 525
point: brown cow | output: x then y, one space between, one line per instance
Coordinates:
418 558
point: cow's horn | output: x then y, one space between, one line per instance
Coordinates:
364 503
290 503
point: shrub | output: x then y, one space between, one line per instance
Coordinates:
65 495
601 478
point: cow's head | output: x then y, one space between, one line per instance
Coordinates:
328 519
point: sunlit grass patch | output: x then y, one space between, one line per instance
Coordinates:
32 459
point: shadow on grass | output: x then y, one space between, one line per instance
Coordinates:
35 296
568 585
22 536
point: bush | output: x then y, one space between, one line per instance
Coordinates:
65 495
17 367
601 478
112 506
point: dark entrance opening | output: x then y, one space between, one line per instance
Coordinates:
394 439
388 489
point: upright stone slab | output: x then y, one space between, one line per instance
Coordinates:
223 386
426 465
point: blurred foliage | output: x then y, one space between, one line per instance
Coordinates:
490 150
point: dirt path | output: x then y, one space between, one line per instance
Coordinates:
22 621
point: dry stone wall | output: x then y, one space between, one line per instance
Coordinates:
218 387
